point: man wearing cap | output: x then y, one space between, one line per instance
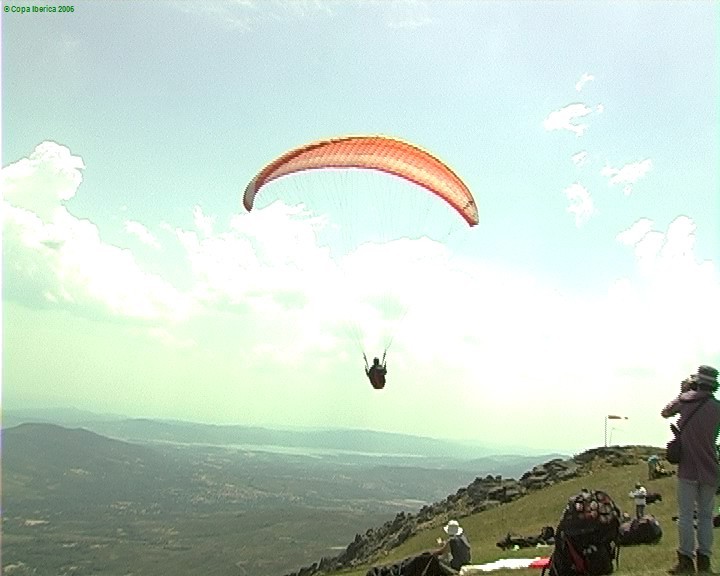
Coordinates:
698 473
457 544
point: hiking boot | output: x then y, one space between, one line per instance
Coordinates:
703 564
685 565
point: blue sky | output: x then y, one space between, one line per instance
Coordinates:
135 282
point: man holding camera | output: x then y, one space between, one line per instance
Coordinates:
698 473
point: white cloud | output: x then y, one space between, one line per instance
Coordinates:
680 241
628 174
636 232
234 14
580 158
202 222
584 79
141 233
269 265
171 340
271 250
41 182
54 256
305 7
263 294
648 248
646 242
246 15
668 257
674 289
408 14
581 204
563 119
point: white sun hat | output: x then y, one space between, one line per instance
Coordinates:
453 528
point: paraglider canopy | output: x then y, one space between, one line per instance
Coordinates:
381 153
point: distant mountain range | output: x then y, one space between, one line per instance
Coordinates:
166 491
357 441
46 463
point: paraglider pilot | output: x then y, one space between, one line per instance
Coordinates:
376 373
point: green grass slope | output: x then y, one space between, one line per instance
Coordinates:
527 515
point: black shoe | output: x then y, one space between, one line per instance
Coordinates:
685 565
703 564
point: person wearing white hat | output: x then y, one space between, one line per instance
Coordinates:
457 545
698 472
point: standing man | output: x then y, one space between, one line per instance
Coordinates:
640 496
698 473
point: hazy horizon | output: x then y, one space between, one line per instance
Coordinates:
134 281
69 416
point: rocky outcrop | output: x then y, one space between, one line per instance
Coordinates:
481 494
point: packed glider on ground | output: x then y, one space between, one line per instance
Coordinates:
372 153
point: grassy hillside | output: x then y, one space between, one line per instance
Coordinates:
529 514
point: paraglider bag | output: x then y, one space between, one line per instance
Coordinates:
673 450
586 539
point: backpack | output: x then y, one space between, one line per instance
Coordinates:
425 564
586 539
645 530
547 536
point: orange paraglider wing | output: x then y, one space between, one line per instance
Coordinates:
373 153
